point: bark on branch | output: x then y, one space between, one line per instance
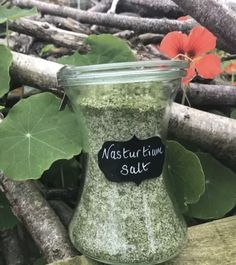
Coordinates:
214 133
11 247
211 95
39 219
43 74
123 22
35 71
146 8
217 17
49 33
210 132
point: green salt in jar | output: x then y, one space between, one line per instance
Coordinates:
125 213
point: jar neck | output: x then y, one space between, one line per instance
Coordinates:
128 72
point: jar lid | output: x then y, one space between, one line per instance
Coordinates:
127 72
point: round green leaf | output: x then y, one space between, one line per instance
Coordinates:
220 193
105 48
7 219
34 134
15 13
185 174
5 63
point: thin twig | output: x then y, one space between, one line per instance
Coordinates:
117 21
39 219
49 33
229 57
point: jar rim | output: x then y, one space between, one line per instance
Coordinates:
120 72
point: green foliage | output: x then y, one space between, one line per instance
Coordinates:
15 13
105 48
5 63
233 114
220 193
46 49
63 174
35 134
7 220
185 174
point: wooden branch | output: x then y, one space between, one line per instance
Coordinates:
217 17
11 247
147 8
62 210
68 24
99 7
117 21
39 219
49 33
35 71
212 243
150 38
210 132
211 95
43 74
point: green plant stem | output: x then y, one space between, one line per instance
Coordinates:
232 79
184 96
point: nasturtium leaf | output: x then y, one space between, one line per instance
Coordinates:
233 114
35 134
105 48
7 218
63 174
220 192
185 174
15 12
47 49
5 63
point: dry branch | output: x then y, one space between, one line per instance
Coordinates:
39 219
217 17
49 33
35 71
13 253
43 74
211 95
117 21
146 8
62 210
210 132
68 24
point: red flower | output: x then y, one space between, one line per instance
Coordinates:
230 68
193 48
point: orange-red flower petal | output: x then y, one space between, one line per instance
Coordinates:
191 73
174 43
230 68
208 66
200 41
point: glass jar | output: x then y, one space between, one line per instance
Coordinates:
125 213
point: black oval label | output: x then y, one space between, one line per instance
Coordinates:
134 160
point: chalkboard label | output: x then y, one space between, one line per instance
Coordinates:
134 160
